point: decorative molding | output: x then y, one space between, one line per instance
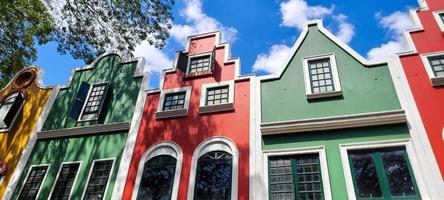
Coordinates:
324 95
103 128
171 113
334 122
435 80
216 108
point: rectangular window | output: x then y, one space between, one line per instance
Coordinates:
437 64
98 180
321 77
174 101
200 64
441 16
217 95
65 181
94 101
9 109
295 177
34 181
382 174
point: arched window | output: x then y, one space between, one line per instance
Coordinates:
214 170
159 173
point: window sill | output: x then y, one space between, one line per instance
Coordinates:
198 74
216 108
437 81
171 113
324 95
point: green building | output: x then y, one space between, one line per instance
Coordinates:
332 127
79 149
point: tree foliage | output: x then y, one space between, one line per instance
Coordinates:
82 28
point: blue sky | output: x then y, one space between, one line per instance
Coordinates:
262 32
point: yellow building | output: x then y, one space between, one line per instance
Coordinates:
23 106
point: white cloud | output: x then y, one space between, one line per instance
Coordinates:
395 24
295 13
198 22
272 61
346 30
155 59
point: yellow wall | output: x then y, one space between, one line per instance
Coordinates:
13 142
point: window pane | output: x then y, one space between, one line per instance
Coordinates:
94 101
65 181
217 95
157 179
213 176
365 175
281 179
308 176
321 77
199 64
98 180
33 183
398 175
174 101
437 64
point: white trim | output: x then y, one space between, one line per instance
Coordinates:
255 180
160 114
203 108
216 34
417 28
335 76
435 80
122 173
198 56
320 150
20 167
329 35
215 144
438 19
334 122
109 175
161 148
43 180
58 174
423 4
412 159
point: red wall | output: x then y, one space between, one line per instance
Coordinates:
188 132
429 100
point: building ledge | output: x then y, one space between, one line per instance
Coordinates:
216 108
171 113
197 74
78 131
335 122
324 95
437 81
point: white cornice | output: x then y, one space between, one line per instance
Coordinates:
79 131
334 122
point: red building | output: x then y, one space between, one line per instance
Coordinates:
423 66
193 140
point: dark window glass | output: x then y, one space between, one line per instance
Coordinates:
174 101
320 75
200 64
213 176
217 95
437 64
79 101
295 177
98 180
442 17
9 109
382 173
33 183
95 101
65 181
157 178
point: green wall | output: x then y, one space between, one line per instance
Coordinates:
85 149
364 89
331 140
123 94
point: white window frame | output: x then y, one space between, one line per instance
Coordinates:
86 102
57 177
413 160
196 56
438 19
90 172
27 176
334 72
161 148
16 115
217 143
320 150
161 114
435 80
204 108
